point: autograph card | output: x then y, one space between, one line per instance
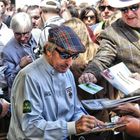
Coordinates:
90 87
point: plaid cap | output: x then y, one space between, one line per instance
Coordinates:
66 38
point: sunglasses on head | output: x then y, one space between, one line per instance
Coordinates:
132 8
102 8
65 55
91 17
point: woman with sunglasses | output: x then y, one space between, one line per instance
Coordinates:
89 16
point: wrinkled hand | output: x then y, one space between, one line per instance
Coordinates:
135 76
25 61
86 123
127 108
87 77
132 125
5 107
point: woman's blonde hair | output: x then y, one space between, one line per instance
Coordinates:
81 30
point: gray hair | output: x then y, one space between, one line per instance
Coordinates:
21 22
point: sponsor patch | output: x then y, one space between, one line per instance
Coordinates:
69 91
27 106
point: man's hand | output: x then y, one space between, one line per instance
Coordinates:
126 109
132 125
5 107
135 76
25 61
87 77
86 123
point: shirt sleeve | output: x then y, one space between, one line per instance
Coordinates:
12 69
71 128
105 56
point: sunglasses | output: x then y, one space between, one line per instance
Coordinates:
102 8
133 8
65 55
91 17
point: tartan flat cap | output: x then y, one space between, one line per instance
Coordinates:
64 37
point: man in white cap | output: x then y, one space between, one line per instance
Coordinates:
50 16
119 42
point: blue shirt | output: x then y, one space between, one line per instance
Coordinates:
53 99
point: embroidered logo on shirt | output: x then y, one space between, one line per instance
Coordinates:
69 91
27 106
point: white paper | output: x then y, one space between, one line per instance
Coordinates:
119 77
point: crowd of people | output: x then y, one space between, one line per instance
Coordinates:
47 50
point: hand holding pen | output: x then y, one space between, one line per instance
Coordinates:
87 122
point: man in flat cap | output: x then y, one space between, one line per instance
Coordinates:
44 97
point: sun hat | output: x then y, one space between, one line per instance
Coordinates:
122 3
50 4
64 37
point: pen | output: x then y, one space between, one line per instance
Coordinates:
84 111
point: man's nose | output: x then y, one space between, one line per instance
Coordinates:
69 61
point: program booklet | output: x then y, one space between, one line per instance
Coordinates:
105 103
119 76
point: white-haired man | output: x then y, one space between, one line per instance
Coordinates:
22 46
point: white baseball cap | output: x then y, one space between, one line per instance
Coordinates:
53 4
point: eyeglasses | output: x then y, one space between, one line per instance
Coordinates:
65 55
133 8
22 34
91 17
102 8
